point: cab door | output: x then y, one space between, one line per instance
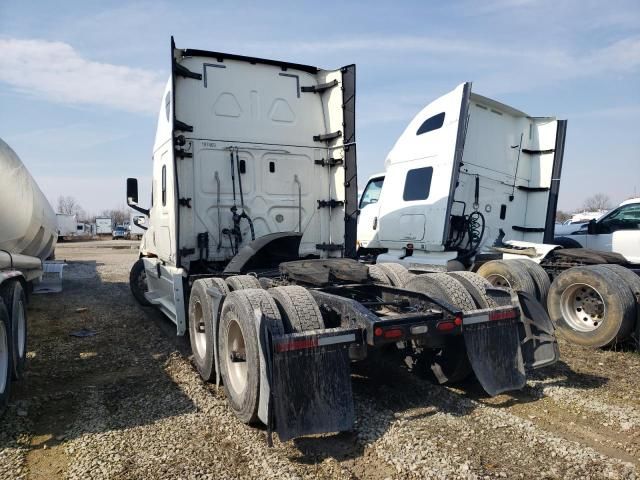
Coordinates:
369 208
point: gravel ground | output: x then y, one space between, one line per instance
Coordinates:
127 404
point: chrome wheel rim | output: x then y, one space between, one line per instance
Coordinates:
199 337
237 369
582 307
499 281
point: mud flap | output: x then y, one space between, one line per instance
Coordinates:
537 334
494 351
311 383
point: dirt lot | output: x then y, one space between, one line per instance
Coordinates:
126 403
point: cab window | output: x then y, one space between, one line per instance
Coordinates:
417 184
626 217
371 192
164 185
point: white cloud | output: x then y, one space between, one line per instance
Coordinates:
56 71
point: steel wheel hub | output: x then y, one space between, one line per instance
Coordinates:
582 307
200 336
236 358
498 281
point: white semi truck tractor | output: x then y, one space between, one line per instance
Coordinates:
472 185
251 244
28 236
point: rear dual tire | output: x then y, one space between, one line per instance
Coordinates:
397 274
448 364
238 348
508 274
201 325
593 306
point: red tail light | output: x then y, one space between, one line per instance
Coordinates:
300 344
393 333
445 326
504 314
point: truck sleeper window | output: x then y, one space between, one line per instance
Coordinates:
431 123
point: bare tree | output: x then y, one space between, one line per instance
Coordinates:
599 201
70 206
119 215
562 216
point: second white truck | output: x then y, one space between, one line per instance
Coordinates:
472 184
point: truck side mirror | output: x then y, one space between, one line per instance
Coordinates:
592 227
139 222
132 196
132 190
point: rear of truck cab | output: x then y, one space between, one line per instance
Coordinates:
465 153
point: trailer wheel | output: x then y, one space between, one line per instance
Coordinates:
378 276
5 358
589 307
477 288
540 278
201 325
425 284
450 363
15 301
509 275
298 309
398 274
633 281
456 293
242 282
628 277
138 283
238 348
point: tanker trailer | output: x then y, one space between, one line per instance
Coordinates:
28 235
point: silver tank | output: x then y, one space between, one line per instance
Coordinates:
27 221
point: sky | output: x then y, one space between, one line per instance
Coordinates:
80 82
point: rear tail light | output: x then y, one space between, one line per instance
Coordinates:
504 314
445 326
298 344
393 333
389 333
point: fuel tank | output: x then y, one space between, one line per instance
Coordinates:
27 221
